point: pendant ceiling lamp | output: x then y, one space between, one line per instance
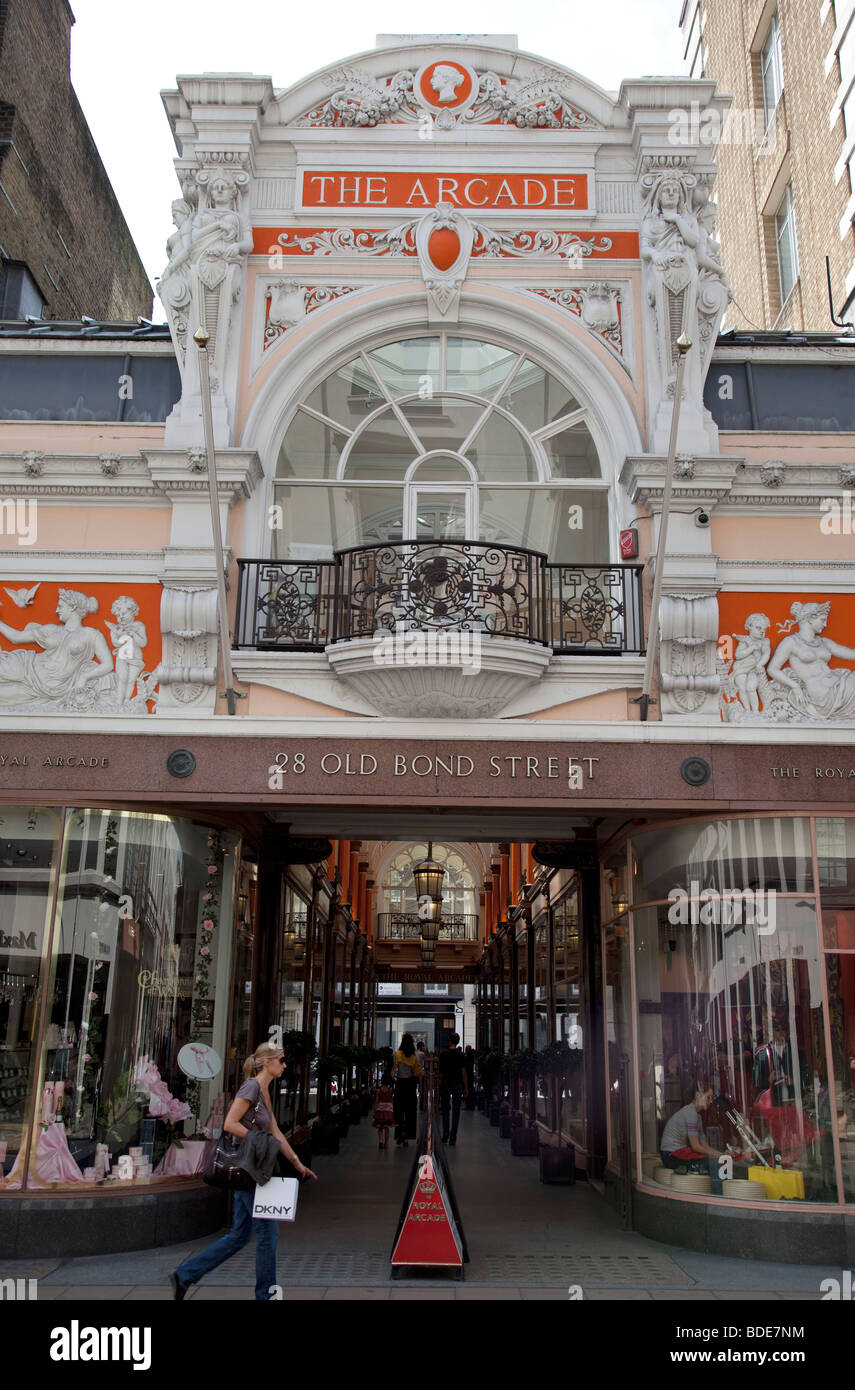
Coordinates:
428 877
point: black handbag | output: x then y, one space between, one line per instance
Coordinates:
226 1163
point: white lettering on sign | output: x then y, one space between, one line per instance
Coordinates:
578 769
402 189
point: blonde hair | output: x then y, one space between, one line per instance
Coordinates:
265 1052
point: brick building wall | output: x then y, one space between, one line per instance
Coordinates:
58 212
756 163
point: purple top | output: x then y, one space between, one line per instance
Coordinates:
251 1091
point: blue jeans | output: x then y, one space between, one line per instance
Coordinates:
239 1236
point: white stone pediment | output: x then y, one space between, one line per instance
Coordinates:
384 84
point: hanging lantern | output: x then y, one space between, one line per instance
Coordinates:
428 877
429 928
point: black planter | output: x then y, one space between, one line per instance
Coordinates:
325 1138
525 1141
558 1165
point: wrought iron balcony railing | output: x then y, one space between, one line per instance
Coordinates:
403 926
439 586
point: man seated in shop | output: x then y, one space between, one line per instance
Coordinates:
683 1145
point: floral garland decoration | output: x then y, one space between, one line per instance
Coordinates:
210 921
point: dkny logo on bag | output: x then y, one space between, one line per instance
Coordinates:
262 1209
76 1343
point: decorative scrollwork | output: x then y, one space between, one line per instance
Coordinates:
422 585
292 605
588 607
439 586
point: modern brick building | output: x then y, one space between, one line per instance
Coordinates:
786 182
65 247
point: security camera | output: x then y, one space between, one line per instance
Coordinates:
702 518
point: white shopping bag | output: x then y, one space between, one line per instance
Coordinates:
276 1200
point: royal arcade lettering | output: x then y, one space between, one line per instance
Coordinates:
395 189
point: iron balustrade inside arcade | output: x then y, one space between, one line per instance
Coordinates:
470 586
402 926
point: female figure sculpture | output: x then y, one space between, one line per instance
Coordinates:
72 655
814 689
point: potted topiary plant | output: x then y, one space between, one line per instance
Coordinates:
524 1131
557 1063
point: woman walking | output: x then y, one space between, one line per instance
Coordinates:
250 1109
407 1073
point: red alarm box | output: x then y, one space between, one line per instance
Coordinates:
629 544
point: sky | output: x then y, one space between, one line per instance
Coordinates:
123 55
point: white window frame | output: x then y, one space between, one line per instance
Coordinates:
771 63
785 223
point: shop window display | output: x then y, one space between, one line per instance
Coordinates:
136 1003
29 841
731 982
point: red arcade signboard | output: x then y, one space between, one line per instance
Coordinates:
429 1234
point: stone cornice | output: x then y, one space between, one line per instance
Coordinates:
730 483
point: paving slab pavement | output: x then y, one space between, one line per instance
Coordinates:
526 1240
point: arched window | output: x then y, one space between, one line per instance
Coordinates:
398 894
447 438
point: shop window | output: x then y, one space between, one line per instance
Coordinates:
730 1035
29 843
137 1002
740 854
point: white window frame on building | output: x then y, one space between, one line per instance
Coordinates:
771 69
785 226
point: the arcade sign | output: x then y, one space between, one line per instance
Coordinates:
399 190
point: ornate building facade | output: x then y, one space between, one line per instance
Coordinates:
441 286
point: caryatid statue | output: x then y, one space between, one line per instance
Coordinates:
207 253
687 289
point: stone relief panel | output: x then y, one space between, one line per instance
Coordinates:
689 681
188 673
487 241
58 657
775 660
449 93
598 305
288 303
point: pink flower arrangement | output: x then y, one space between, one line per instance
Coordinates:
86 1057
92 997
205 951
207 925
212 869
161 1102
206 897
